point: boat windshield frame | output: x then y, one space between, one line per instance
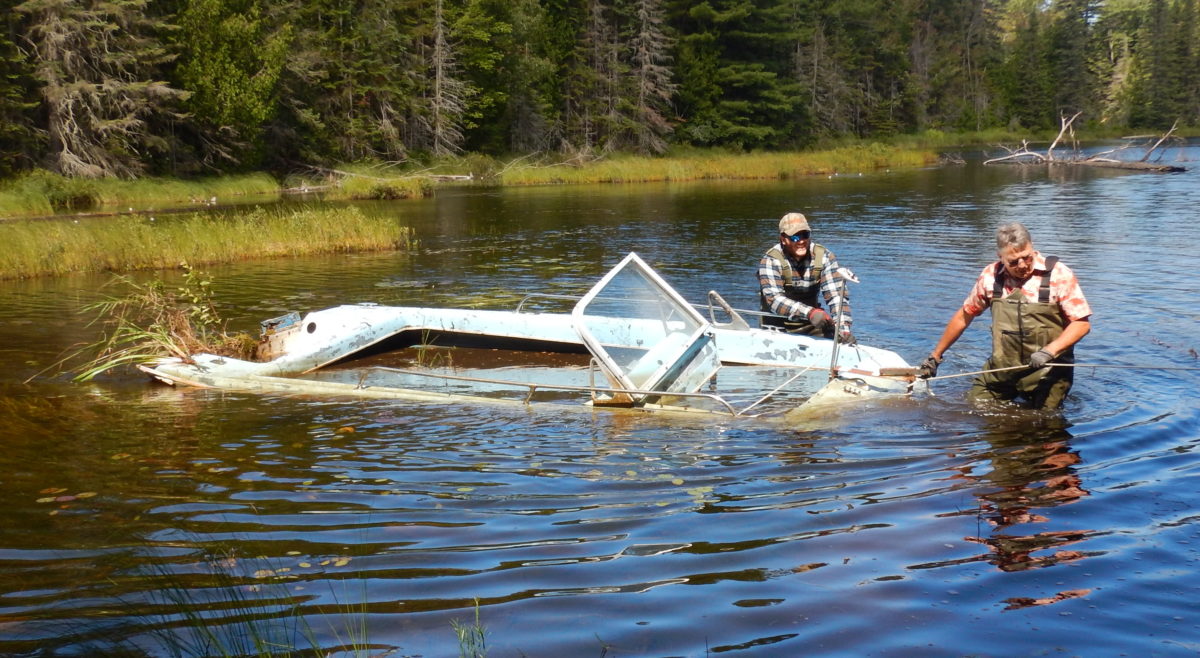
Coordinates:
643 334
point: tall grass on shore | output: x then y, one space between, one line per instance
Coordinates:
714 165
126 243
41 193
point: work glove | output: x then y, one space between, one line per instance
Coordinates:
821 321
847 338
1039 359
928 367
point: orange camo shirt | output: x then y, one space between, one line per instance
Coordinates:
1064 289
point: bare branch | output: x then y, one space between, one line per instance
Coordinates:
1160 141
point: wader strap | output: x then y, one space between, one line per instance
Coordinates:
1043 290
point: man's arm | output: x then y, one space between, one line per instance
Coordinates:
954 329
1072 333
834 290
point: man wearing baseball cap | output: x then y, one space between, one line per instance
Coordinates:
794 277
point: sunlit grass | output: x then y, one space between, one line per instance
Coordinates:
143 322
382 188
42 193
126 243
717 165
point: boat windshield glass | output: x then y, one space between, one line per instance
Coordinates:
643 333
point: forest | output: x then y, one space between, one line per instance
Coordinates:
129 88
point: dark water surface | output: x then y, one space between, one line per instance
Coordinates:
129 512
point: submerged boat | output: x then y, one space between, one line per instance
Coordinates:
630 342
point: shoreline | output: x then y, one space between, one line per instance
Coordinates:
42 196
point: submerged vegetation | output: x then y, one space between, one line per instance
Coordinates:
126 243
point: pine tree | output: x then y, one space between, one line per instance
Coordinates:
18 136
653 88
733 67
98 64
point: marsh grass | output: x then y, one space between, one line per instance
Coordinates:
377 182
150 321
122 244
472 636
41 193
231 606
715 165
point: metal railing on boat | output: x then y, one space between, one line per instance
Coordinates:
534 387
714 301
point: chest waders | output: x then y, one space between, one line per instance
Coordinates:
1021 327
794 289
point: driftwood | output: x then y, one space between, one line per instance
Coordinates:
1026 156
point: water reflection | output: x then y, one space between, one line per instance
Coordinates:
585 531
1031 474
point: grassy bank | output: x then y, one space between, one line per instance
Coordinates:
120 244
707 165
41 194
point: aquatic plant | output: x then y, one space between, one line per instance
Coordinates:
149 321
472 636
235 606
122 244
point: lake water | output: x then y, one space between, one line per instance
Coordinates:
132 514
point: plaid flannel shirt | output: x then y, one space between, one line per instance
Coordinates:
770 280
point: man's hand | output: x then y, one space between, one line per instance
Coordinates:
847 338
821 321
1039 359
928 367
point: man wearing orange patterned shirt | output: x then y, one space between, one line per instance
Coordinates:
1038 314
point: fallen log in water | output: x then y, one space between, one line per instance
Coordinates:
1026 156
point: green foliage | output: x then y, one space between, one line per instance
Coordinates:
230 62
298 83
18 138
148 321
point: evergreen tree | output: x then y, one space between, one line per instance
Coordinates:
1023 79
233 87
98 67
733 68
18 136
530 81
1114 56
1066 42
650 75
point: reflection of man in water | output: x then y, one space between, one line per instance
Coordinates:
1028 476
1038 314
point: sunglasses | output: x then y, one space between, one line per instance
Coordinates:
801 235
